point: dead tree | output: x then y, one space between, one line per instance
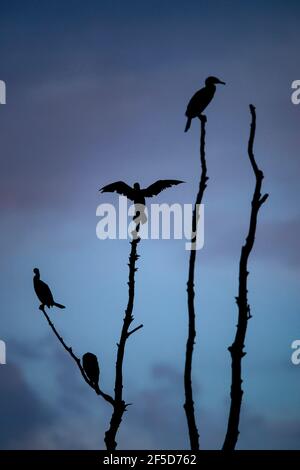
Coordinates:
188 387
237 348
118 404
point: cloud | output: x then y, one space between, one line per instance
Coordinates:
259 431
156 420
157 414
70 417
280 242
21 410
277 241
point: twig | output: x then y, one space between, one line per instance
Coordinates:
119 404
189 402
106 397
237 347
134 330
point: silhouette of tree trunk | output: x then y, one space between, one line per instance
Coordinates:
120 406
189 402
237 347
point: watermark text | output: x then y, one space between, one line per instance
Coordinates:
295 97
2 92
2 352
158 221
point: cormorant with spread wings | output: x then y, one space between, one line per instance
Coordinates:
138 195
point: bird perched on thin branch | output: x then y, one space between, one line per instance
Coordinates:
138 195
43 292
201 100
91 368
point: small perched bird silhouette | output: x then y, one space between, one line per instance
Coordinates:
91 368
138 195
43 291
201 100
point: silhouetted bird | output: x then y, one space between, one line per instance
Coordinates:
201 100
43 291
91 368
138 195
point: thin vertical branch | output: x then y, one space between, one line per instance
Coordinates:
237 347
119 404
189 402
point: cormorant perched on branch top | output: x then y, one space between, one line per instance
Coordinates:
43 291
201 100
138 195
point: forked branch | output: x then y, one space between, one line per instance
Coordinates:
237 348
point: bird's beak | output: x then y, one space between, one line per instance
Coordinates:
222 83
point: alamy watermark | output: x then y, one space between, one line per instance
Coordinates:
160 221
2 92
2 352
295 357
295 97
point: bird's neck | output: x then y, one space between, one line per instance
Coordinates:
211 87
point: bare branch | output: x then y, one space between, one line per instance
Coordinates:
189 402
134 330
263 199
106 397
119 404
237 347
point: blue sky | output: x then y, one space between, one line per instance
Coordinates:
96 92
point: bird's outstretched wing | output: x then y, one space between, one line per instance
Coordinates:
159 186
119 187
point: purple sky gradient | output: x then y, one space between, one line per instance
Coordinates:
96 92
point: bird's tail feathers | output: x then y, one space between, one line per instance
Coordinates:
188 124
55 304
